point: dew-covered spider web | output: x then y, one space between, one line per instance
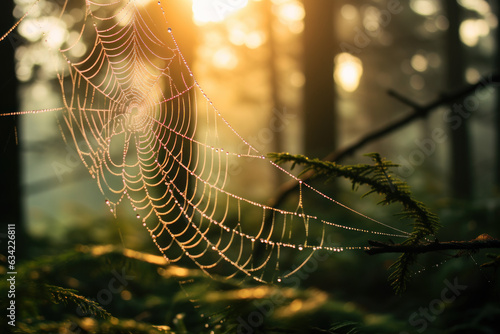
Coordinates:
153 140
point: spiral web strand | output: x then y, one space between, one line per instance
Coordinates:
150 136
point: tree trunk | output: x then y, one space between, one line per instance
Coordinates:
497 106
180 19
460 158
10 166
273 70
276 104
319 49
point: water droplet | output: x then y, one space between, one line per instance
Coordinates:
169 29
107 201
279 280
300 247
138 216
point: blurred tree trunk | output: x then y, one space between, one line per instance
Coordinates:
460 159
276 104
320 44
10 166
273 72
180 18
497 107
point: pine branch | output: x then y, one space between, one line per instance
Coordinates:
64 295
380 179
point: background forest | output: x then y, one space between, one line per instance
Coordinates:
415 81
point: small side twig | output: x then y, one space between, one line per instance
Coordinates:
404 100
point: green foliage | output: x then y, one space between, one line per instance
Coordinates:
379 177
54 308
76 292
66 296
345 328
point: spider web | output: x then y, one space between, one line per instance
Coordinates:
151 137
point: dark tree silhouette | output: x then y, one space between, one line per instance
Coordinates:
276 103
273 68
460 158
497 107
10 167
319 49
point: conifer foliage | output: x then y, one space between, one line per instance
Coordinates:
380 178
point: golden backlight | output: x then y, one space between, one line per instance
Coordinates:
348 71
215 10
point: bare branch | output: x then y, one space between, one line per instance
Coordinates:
417 112
378 247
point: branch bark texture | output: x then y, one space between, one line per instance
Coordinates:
381 247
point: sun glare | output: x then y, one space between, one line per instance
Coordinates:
348 71
205 11
425 7
471 30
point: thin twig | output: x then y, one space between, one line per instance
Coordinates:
381 247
